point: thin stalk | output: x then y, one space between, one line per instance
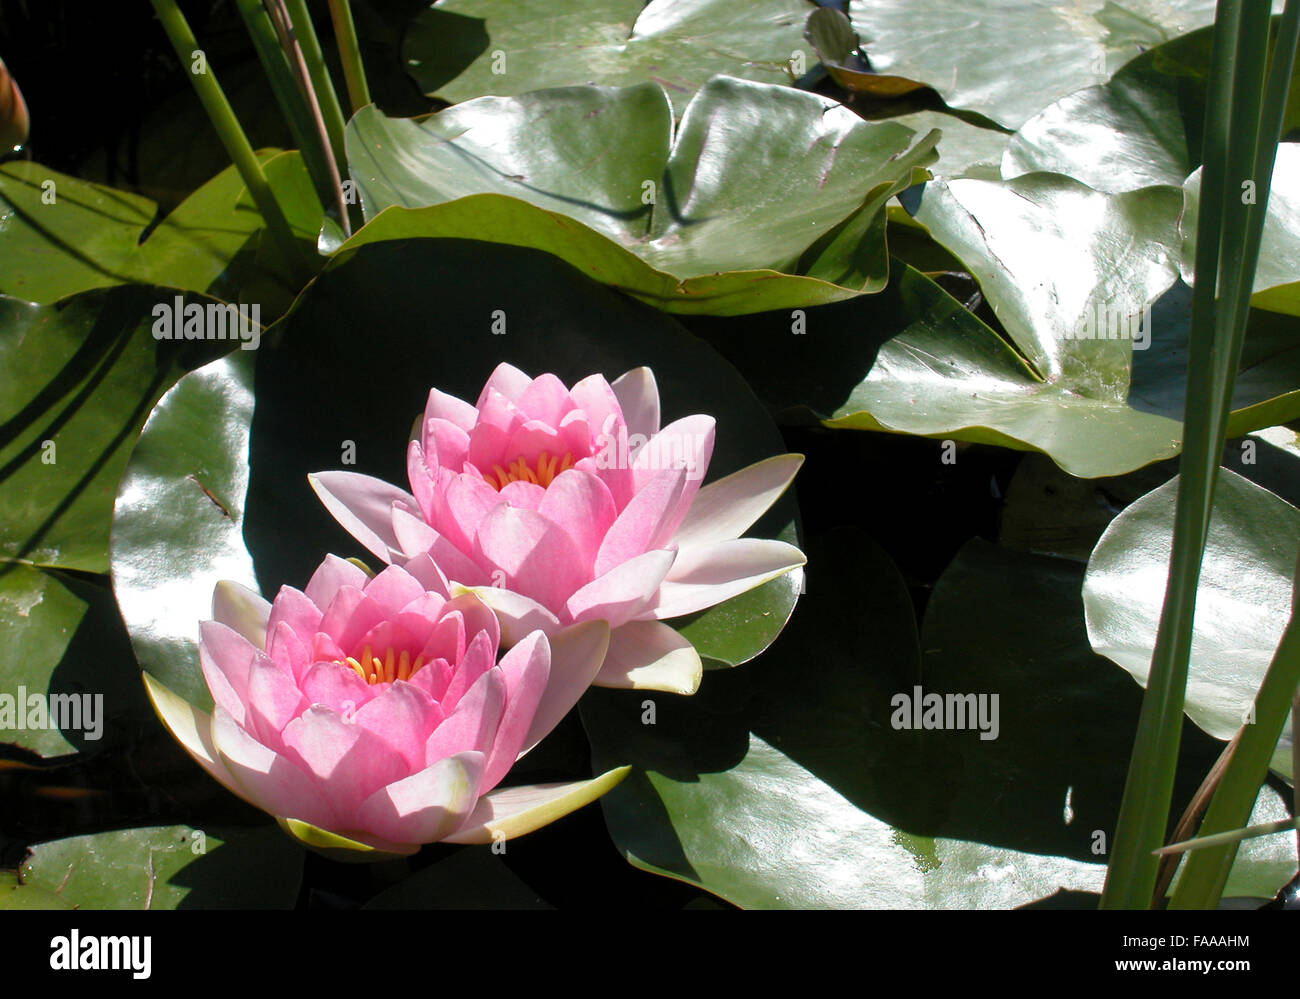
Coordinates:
232 137
1144 809
293 52
305 32
1207 870
354 71
1191 817
288 94
1231 838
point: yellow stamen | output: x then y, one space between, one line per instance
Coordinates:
393 666
548 467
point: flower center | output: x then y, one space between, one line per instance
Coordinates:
520 471
392 667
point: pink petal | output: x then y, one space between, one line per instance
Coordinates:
333 573
363 505
403 716
393 589
516 811
446 639
706 576
595 398
336 687
576 656
296 609
426 572
290 652
506 379
638 397
425 485
271 781
226 657
445 444
538 558
349 762
426 806
479 657
526 668
519 615
725 508
624 592
582 505
240 608
469 500
498 418
525 495
442 406
274 700
649 655
688 441
474 723
642 520
546 399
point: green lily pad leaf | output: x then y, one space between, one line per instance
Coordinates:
1010 59
966 149
1050 254
691 222
779 786
217 487
17 896
64 235
77 379
459 49
1242 604
196 470
472 877
837 46
169 867
68 681
1277 276
1138 129
912 360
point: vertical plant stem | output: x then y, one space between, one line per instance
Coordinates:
1239 147
288 94
305 32
232 137
1206 870
1144 809
293 52
354 71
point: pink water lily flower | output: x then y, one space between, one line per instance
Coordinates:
373 715
564 505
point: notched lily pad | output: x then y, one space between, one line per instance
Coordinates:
764 197
460 49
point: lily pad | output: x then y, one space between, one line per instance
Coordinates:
1140 128
209 495
765 197
1010 58
77 379
66 648
169 867
1242 604
839 48
1277 276
780 786
64 235
459 49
